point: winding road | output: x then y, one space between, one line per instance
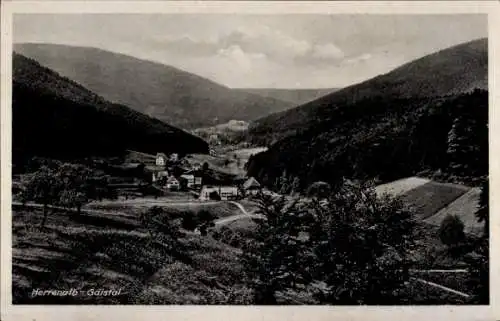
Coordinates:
236 217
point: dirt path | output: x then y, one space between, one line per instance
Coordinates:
83 210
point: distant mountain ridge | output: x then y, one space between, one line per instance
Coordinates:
454 70
392 126
295 96
164 92
56 117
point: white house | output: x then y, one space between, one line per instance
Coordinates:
174 157
189 179
172 183
161 159
225 192
197 181
159 175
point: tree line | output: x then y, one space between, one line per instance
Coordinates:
50 182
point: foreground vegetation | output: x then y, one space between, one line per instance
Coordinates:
349 247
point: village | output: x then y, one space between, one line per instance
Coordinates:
195 175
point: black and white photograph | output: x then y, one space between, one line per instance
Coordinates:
284 159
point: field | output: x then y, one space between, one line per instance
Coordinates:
429 198
245 153
464 207
401 186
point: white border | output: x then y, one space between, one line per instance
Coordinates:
10 312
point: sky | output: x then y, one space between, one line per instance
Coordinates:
261 51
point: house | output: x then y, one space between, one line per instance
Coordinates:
172 183
197 181
252 186
212 152
174 157
213 138
225 192
161 159
189 178
159 175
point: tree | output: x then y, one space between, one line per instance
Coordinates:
295 187
205 166
77 186
277 258
205 219
214 196
282 184
42 187
463 146
361 245
183 184
482 213
451 231
478 260
189 221
160 226
319 190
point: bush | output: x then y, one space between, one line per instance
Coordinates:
319 190
189 221
214 196
451 231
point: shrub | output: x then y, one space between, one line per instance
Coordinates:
189 221
319 190
451 231
214 196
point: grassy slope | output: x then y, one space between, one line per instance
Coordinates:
162 91
113 251
429 198
464 207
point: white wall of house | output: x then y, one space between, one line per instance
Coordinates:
160 161
225 192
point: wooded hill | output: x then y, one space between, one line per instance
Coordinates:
174 96
295 96
451 71
56 117
424 115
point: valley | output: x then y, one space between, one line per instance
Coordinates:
169 188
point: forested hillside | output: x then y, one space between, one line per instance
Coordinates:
452 71
397 138
56 117
172 95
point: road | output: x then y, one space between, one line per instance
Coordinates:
236 217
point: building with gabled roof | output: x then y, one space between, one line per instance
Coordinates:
252 186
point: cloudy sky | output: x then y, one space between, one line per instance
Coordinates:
279 51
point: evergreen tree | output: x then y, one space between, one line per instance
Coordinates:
482 213
478 260
463 146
